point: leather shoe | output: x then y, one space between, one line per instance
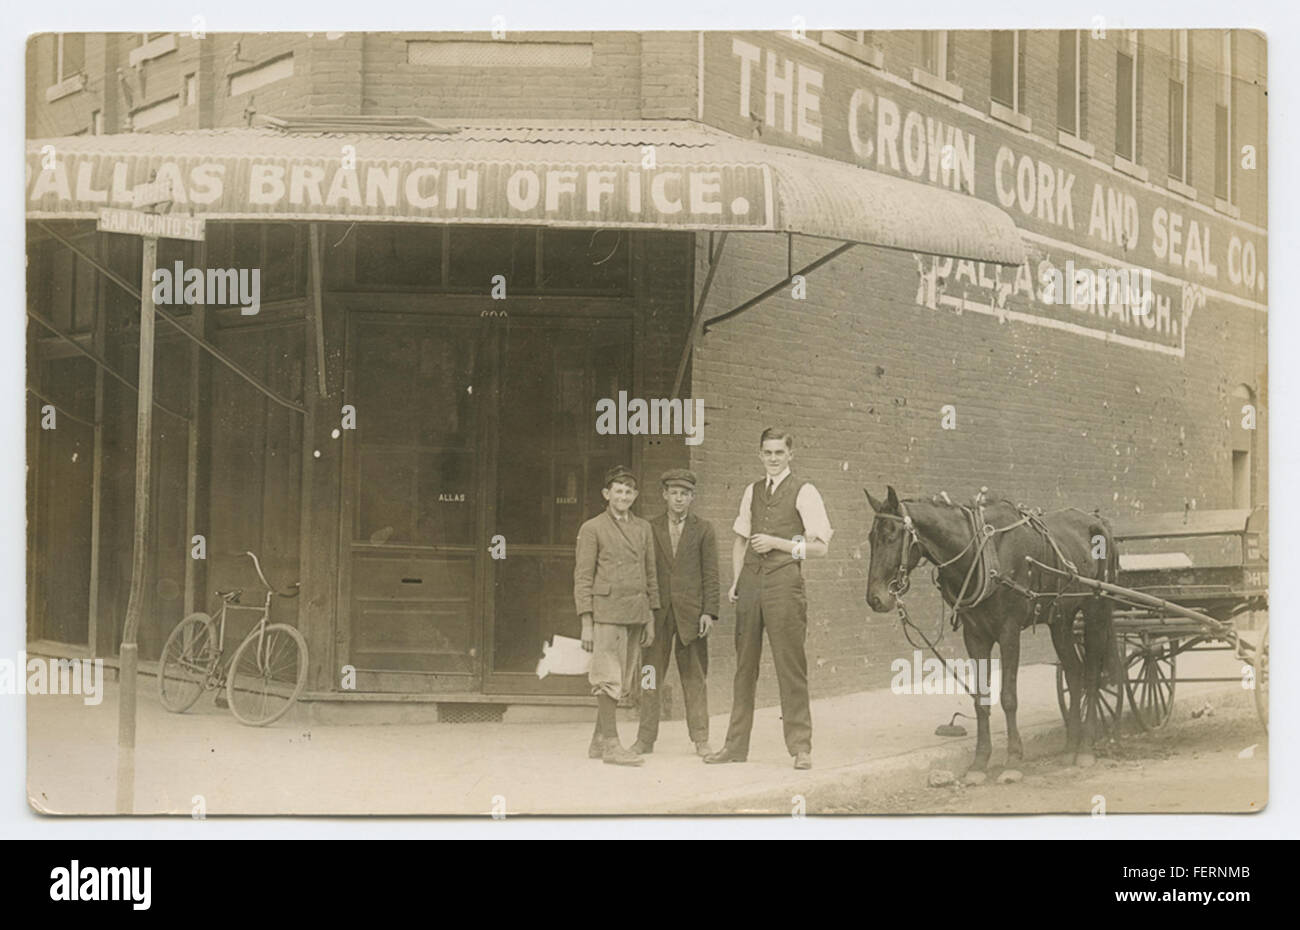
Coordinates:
702 748
615 754
723 755
642 748
596 750
803 760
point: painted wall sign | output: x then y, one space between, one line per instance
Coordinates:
788 92
704 196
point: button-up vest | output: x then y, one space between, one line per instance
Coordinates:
775 515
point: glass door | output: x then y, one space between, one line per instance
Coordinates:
548 466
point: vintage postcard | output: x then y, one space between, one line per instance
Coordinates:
805 421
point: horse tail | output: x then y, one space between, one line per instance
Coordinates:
1108 567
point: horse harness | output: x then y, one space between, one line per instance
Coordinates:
984 568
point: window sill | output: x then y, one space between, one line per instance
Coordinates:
66 88
937 84
1227 208
1009 116
867 54
1124 166
1178 187
153 49
1075 144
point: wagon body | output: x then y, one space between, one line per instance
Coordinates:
1185 580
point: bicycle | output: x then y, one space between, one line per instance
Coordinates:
264 676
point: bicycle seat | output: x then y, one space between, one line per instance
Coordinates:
292 591
231 595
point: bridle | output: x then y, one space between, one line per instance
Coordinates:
901 583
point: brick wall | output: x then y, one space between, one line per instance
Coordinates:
859 373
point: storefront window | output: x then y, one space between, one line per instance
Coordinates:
584 260
402 255
480 253
277 250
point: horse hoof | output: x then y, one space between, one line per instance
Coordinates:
1085 760
975 777
1010 777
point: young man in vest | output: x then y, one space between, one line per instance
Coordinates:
782 520
686 561
616 592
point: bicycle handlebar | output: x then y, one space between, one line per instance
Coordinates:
292 591
258 565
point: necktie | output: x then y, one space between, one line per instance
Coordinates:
771 485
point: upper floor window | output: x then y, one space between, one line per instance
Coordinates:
1070 82
934 53
69 56
1008 73
1127 76
1007 84
146 46
856 43
1180 94
1224 189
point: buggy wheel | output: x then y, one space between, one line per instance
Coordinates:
1150 667
1109 703
1261 677
188 659
267 673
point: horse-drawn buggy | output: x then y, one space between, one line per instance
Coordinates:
1122 601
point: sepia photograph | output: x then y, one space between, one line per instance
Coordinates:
787 422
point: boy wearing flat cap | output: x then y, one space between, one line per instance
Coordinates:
686 561
616 592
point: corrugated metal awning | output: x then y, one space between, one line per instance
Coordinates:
642 174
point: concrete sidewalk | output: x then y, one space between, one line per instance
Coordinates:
472 769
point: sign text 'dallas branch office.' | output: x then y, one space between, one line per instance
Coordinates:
628 193
797 95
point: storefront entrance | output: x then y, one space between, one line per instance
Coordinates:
473 463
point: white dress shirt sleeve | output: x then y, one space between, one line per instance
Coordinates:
742 525
812 510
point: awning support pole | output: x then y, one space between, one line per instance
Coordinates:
715 257
317 310
779 286
184 330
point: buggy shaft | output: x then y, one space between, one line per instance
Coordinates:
1133 596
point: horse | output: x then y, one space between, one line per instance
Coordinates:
980 553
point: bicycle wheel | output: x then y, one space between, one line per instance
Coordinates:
267 673
188 660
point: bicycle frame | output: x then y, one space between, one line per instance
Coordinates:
227 603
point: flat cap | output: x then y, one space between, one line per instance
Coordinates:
678 477
620 473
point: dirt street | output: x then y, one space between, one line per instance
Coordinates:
1193 764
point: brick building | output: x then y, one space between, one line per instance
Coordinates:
381 181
